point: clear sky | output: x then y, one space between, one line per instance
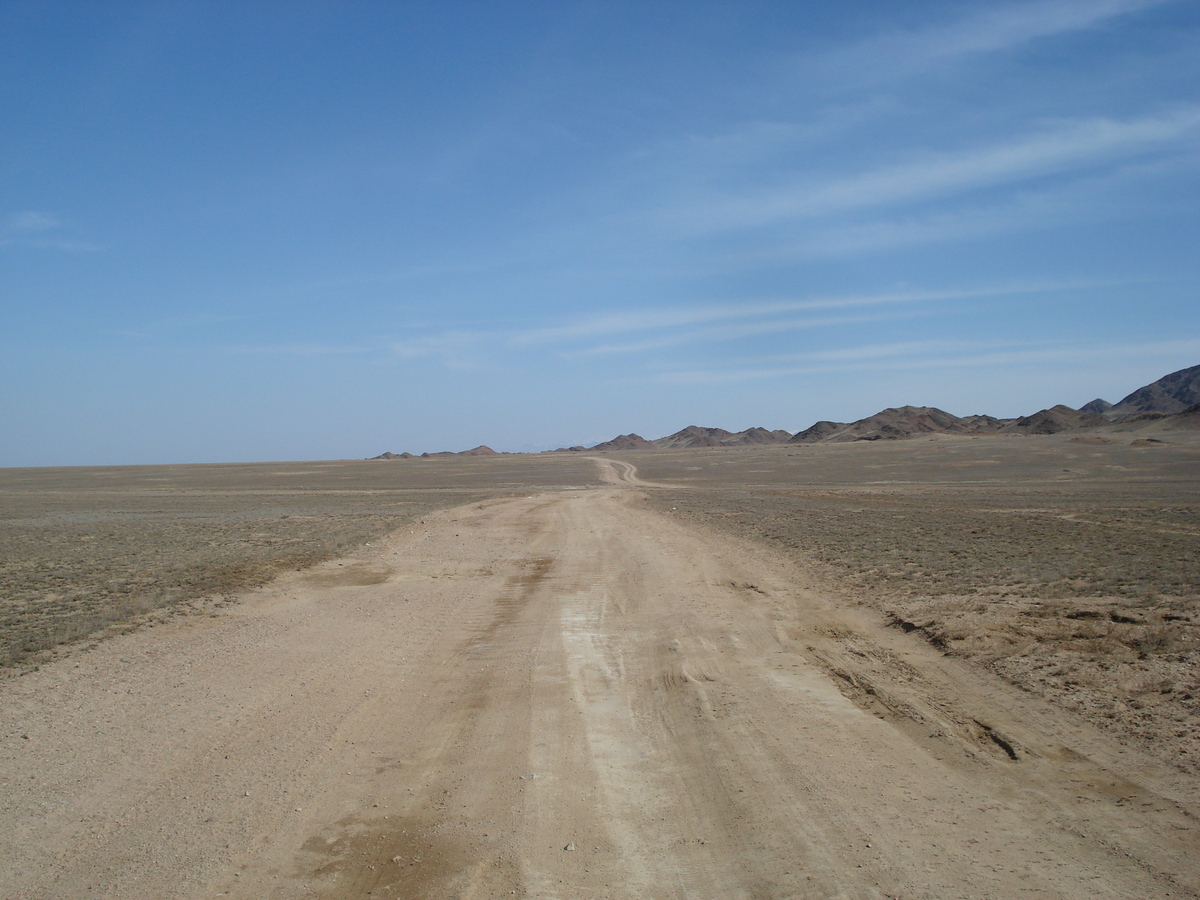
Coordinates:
235 231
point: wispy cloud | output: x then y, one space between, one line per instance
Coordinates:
175 325
906 231
299 349
647 331
648 321
935 175
40 230
457 349
996 27
918 355
1000 27
851 155
198 320
31 222
1101 197
911 349
733 332
831 84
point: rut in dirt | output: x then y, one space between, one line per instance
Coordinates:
689 722
568 695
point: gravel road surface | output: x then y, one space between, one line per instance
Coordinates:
563 696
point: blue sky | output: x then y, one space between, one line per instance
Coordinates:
248 231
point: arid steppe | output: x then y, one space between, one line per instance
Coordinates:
85 551
1068 565
944 667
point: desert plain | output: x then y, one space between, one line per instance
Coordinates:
954 666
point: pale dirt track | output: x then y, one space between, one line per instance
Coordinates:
450 711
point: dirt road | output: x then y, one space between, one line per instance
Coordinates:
568 696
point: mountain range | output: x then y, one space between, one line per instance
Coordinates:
481 450
1171 402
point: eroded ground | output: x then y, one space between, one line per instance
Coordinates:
1070 567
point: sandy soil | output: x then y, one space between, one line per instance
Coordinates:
564 695
88 551
1069 566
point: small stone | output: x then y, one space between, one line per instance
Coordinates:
570 846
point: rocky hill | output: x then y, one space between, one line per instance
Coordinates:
888 424
1098 407
481 450
693 436
626 442
1053 420
1170 394
696 436
1171 402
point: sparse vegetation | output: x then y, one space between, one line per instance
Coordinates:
1081 586
63 580
84 551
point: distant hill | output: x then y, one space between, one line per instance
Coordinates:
887 424
626 442
1172 402
763 436
693 436
1053 420
1170 394
906 421
1097 407
984 423
1149 423
818 431
481 450
696 436
1188 418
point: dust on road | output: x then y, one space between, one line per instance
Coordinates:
564 695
